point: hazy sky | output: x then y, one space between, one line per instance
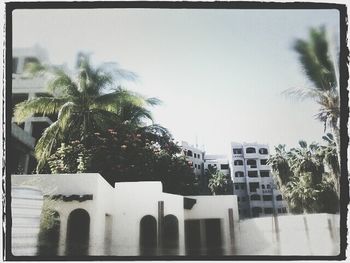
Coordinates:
219 73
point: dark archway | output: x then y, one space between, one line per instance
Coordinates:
148 235
78 232
171 235
49 235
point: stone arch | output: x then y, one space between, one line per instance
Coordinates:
148 235
171 235
78 232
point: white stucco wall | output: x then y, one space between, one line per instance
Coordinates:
125 205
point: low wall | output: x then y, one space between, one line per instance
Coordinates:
312 234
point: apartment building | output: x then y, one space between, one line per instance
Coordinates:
253 183
219 162
195 156
26 86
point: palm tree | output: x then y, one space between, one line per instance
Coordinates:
315 59
280 165
306 159
219 183
330 157
85 104
300 194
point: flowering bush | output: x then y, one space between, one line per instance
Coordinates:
126 155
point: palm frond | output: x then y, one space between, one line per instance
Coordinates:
47 143
61 84
42 105
153 101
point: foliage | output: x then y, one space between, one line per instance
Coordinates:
308 176
219 183
86 103
316 61
146 154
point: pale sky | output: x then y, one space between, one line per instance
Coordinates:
219 73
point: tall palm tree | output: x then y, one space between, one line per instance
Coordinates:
330 157
306 159
315 59
300 194
86 103
280 165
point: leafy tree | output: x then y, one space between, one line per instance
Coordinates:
123 155
219 183
86 103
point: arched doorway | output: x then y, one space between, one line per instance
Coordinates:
49 234
78 230
171 235
148 235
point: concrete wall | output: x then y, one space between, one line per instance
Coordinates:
312 234
117 212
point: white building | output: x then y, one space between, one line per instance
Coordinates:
195 156
253 182
25 86
133 218
219 162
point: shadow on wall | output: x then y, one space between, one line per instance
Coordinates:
203 237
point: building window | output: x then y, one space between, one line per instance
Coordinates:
268 186
279 197
195 165
268 210
267 197
252 163
262 186
263 161
237 151
195 155
224 167
238 162
242 186
243 199
189 153
239 174
252 173
255 197
284 210
279 210
238 199
253 187
263 151
237 186
264 173
199 156
250 150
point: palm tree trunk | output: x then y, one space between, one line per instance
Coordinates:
336 175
